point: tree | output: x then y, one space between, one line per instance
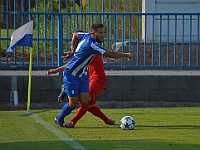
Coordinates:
17 5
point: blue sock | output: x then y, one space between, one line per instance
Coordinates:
66 110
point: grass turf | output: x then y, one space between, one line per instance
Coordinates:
156 128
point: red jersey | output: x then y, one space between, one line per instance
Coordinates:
96 68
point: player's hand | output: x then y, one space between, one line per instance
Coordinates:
67 55
129 56
50 71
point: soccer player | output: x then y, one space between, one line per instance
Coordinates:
76 78
97 83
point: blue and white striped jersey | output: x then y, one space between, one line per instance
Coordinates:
84 53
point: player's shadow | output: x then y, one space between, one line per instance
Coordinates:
170 126
98 127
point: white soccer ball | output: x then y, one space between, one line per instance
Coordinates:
127 123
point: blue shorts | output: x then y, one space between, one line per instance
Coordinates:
75 85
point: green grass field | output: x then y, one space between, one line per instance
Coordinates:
157 128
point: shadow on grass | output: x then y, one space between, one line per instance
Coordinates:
142 127
171 126
98 145
98 127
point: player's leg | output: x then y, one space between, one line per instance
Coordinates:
79 114
96 111
82 109
72 90
66 110
62 94
84 92
83 97
96 86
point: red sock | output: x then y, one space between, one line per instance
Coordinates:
97 112
79 114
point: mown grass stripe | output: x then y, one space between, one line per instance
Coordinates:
58 133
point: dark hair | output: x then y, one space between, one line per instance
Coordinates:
94 27
78 31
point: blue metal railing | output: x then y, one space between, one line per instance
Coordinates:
124 34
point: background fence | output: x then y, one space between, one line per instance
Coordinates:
126 31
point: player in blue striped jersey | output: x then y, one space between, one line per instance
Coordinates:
76 78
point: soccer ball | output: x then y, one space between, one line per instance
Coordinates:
127 123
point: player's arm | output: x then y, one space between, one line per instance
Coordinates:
67 55
73 46
54 71
113 54
74 42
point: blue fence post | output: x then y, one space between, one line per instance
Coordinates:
190 41
14 3
175 36
197 49
7 27
183 34
45 35
167 57
160 43
152 49
145 40
38 34
52 33
60 41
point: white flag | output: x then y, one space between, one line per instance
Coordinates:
22 36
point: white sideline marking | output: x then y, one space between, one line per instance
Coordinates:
58 133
